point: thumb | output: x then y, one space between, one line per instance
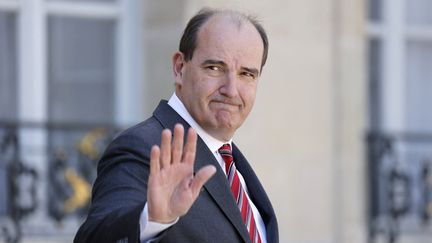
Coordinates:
201 177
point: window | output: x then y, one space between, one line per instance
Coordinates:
400 95
63 64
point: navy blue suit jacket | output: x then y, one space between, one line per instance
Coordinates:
120 192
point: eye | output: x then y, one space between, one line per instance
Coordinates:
248 75
213 68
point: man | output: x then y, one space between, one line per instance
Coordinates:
190 188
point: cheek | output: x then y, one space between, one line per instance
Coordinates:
207 88
248 95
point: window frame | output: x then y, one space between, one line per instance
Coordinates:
394 32
32 81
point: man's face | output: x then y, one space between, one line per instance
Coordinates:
218 85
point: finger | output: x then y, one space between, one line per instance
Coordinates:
165 149
154 160
177 145
201 177
190 147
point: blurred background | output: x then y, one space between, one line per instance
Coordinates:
344 106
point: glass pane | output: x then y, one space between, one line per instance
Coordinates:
81 70
419 11
374 57
8 66
374 10
419 86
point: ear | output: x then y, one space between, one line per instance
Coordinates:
178 63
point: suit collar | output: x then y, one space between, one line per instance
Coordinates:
167 116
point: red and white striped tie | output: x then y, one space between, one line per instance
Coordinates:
239 193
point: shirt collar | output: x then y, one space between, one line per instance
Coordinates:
212 143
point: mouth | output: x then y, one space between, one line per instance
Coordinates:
223 103
228 106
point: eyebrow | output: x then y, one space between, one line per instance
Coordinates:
221 63
213 62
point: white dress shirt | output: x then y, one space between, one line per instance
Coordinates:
150 229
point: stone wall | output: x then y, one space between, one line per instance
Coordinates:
310 108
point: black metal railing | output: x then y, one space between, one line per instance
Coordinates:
70 152
400 185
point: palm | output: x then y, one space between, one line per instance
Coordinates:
172 186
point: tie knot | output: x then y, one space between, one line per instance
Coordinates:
226 154
225 150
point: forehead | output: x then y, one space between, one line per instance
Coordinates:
230 39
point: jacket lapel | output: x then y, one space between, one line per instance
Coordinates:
220 190
257 195
217 186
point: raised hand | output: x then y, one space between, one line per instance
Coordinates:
172 186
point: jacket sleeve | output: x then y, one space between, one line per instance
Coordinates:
119 193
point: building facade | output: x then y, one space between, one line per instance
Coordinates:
338 75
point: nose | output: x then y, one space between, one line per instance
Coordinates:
229 86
